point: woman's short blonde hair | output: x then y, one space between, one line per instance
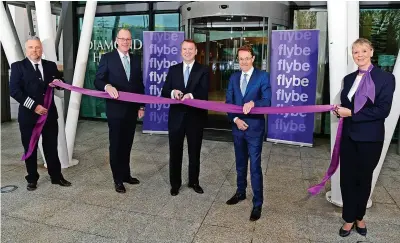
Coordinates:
362 41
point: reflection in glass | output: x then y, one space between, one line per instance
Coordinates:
218 39
166 22
103 40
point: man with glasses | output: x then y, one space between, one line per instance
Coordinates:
121 71
248 88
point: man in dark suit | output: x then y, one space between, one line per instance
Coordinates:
120 70
28 84
186 80
248 88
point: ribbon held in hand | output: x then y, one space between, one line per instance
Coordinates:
201 104
37 130
314 190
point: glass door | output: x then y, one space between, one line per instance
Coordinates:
218 39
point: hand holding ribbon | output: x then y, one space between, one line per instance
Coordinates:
202 104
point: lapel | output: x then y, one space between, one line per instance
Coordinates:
46 72
132 64
195 69
120 65
237 83
251 82
30 67
180 79
346 88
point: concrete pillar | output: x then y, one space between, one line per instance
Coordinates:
337 35
8 39
79 74
46 33
353 32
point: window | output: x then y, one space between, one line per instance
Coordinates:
382 28
166 22
103 40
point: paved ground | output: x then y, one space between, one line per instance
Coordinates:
91 211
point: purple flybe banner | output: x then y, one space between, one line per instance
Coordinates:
161 50
293 76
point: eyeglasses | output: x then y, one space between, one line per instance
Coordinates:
124 40
245 59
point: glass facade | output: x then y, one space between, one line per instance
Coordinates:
217 43
166 22
382 28
105 29
103 40
218 38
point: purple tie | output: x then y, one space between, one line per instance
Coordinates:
365 90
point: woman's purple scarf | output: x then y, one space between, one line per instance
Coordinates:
365 90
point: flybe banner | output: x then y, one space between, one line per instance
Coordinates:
161 50
293 70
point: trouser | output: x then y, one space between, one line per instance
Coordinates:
49 143
194 134
246 147
357 163
121 134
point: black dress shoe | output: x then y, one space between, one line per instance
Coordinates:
31 186
61 182
197 188
132 180
343 232
361 231
236 198
255 214
119 187
174 191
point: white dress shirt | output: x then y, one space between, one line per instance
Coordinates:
354 87
249 73
40 66
185 65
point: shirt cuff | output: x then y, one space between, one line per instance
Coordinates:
234 119
172 94
191 96
105 87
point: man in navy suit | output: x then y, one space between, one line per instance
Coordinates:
186 80
28 84
121 71
248 88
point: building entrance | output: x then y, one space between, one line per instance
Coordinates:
219 30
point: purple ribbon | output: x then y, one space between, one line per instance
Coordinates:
37 130
365 90
314 190
202 104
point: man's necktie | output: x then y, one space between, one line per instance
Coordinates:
186 76
243 84
38 72
127 67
